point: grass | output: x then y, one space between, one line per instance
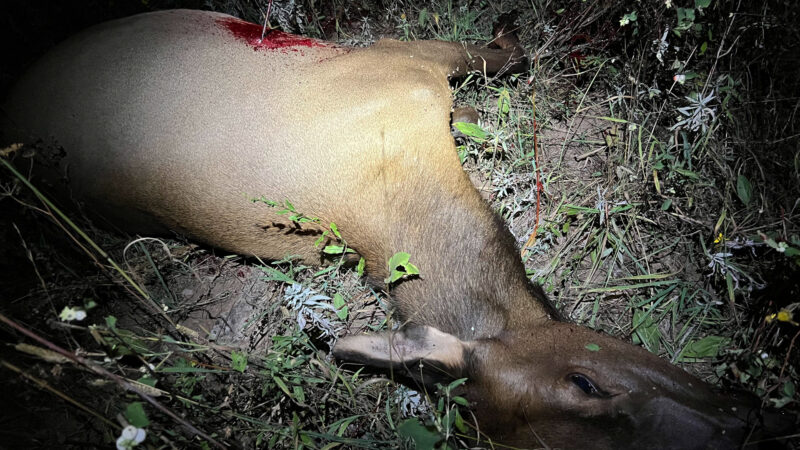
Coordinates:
648 217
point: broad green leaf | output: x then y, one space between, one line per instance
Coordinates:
340 305
424 438
789 389
333 249
399 266
707 347
472 130
238 361
136 416
460 401
592 347
744 189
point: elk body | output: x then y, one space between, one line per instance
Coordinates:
180 118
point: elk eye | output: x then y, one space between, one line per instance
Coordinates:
587 385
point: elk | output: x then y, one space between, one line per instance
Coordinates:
177 119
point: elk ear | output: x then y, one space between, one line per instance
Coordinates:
422 352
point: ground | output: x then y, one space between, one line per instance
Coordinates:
647 162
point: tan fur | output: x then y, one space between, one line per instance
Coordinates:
171 118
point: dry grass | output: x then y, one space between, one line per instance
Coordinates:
644 230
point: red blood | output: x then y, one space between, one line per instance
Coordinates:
273 39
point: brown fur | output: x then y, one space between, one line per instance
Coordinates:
170 116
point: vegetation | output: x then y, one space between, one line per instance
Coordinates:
647 164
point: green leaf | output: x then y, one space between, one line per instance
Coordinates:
239 361
333 249
111 322
646 331
471 130
744 189
282 386
321 238
360 267
399 266
460 401
340 305
338 300
628 18
340 426
424 438
456 383
504 102
136 416
685 18
322 272
276 275
335 230
666 204
574 210
707 347
148 381
700 4
592 347
789 389
299 394
423 17
791 251
460 424
687 173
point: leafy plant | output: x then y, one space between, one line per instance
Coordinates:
400 267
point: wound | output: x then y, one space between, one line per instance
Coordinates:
250 33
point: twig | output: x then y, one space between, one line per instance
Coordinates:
44 385
116 378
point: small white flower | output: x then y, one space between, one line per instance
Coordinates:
624 21
68 314
764 355
130 437
679 78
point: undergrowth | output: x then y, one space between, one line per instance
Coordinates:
646 163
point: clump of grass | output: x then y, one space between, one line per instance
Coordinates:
647 161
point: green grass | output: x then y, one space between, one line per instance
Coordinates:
678 238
